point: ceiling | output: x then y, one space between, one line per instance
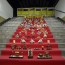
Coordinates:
32 3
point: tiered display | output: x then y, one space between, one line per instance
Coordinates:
32 35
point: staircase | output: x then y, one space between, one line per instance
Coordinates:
57 59
58 30
56 27
7 30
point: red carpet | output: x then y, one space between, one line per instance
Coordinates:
57 58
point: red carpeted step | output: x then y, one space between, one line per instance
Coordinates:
37 45
48 36
18 40
35 52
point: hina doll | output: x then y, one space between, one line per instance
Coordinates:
40 40
17 35
13 46
32 41
30 53
42 47
47 55
48 47
23 40
45 34
48 41
32 32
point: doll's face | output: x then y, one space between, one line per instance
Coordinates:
46 52
48 41
38 37
42 46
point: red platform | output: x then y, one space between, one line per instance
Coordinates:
57 58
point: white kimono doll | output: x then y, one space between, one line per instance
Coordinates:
40 40
32 41
23 41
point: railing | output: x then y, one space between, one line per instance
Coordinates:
4 21
59 11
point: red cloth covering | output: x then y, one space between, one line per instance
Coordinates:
57 58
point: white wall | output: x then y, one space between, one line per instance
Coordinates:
60 6
6 10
